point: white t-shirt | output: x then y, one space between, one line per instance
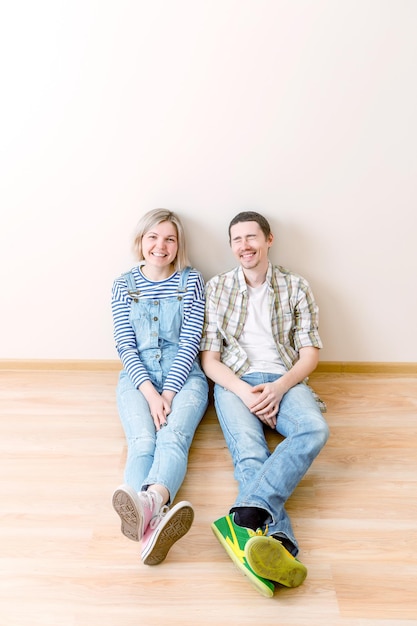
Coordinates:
257 339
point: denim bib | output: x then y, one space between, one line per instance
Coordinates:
157 324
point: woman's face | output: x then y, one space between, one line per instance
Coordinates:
160 245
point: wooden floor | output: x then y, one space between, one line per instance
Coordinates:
64 562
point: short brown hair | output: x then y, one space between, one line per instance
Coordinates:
252 216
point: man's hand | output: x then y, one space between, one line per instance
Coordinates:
265 404
252 398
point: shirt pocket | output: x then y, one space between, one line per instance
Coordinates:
286 328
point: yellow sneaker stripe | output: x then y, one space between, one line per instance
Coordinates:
235 543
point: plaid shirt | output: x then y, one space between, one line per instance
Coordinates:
294 316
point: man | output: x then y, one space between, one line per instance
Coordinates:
260 343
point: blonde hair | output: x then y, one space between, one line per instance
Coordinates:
152 218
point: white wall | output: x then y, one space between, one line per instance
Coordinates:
303 110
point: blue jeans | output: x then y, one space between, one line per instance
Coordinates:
266 480
160 457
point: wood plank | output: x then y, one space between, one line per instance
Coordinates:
64 561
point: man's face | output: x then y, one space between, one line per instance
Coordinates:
249 245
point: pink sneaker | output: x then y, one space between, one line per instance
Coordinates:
135 510
164 530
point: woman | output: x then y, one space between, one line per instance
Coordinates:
158 312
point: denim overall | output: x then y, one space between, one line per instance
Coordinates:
159 457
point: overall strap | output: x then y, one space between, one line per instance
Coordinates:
182 285
132 289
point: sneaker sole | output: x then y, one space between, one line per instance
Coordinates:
263 588
124 503
268 558
175 525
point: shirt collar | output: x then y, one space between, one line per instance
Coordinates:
240 277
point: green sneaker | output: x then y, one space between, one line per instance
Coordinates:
267 557
233 538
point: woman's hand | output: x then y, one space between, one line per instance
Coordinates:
159 408
159 404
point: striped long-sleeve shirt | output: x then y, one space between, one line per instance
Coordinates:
190 334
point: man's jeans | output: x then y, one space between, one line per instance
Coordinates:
267 480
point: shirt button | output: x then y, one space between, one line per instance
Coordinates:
155 302
155 319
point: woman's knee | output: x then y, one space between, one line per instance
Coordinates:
141 446
176 436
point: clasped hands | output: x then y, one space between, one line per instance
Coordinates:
263 401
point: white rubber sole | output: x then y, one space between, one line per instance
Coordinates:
174 525
126 504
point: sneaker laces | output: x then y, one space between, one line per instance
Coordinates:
153 499
258 532
158 516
